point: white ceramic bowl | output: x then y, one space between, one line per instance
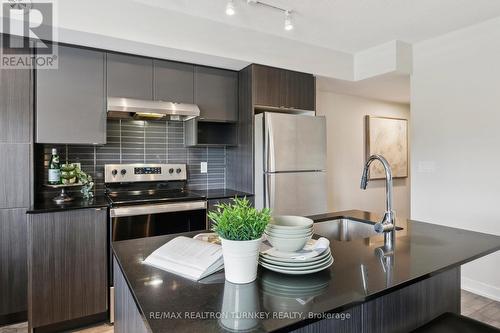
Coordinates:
289 222
281 235
288 244
289 232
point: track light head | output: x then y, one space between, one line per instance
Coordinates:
288 20
230 11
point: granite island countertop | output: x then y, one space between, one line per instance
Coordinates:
357 276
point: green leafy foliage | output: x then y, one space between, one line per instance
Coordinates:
87 183
239 220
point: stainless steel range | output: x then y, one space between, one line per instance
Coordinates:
151 200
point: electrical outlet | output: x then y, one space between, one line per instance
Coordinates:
426 166
204 167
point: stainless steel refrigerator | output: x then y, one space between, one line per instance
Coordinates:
290 163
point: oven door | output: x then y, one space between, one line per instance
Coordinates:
139 221
157 219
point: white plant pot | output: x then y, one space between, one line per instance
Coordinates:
240 260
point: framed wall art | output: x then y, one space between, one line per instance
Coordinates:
387 137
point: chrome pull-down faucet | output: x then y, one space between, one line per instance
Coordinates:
388 223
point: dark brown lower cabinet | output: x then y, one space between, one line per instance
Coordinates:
13 267
67 268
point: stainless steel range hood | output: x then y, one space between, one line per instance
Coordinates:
141 109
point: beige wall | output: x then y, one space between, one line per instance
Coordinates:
345 117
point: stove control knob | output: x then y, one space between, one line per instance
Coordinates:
114 172
123 172
171 170
178 170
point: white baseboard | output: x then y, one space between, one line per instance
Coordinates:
481 289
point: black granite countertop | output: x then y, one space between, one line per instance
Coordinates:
221 193
422 250
47 205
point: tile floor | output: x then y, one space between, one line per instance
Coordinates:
474 306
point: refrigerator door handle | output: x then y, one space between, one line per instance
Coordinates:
270 146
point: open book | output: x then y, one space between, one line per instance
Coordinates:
191 258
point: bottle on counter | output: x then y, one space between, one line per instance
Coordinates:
54 168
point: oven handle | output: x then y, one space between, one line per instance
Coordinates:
157 208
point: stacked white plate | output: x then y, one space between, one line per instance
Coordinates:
315 256
289 233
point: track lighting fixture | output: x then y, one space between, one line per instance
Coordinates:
230 8
288 12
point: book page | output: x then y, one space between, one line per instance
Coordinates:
188 257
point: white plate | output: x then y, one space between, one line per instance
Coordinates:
323 259
300 268
294 262
295 268
308 252
285 271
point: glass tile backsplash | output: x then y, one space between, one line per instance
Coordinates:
136 141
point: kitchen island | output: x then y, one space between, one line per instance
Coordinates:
366 289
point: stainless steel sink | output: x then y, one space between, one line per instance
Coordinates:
344 229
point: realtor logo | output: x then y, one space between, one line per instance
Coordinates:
27 26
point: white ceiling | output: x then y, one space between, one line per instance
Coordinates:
346 25
329 35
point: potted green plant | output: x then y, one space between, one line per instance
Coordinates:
240 227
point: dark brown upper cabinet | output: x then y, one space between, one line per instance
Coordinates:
216 93
300 90
267 82
275 87
129 76
173 81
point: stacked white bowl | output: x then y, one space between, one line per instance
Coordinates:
289 233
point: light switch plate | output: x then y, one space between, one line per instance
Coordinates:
204 167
